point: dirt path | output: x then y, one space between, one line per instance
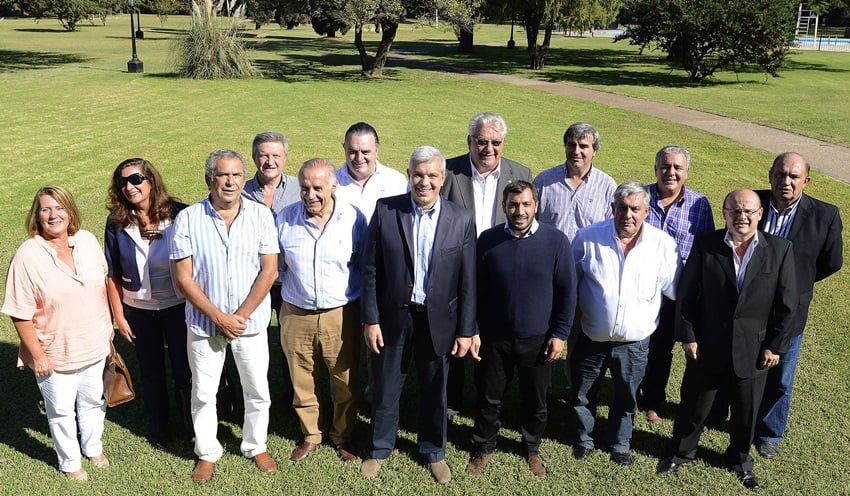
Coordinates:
828 158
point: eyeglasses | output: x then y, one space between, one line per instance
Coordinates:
135 179
484 142
737 211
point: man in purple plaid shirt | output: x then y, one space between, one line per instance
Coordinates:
682 213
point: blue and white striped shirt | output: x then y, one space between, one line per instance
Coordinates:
225 264
320 269
424 229
570 209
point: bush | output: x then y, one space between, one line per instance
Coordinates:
212 49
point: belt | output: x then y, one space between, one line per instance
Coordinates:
416 308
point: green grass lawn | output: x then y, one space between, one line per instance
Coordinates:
811 97
70 113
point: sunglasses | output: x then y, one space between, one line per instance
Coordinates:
135 179
484 142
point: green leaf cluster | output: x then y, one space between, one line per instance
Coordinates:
706 36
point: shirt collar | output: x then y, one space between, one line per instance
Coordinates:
434 212
531 230
790 208
476 176
728 240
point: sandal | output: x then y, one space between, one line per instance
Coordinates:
99 461
79 476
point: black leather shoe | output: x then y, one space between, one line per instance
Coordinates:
581 453
667 466
621 459
748 479
767 449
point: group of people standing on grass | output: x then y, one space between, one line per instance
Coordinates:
466 256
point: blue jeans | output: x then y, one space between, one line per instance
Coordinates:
776 403
588 363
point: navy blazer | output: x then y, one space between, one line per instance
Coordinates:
731 325
818 247
458 186
388 272
120 251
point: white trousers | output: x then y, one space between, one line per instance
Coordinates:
71 398
206 359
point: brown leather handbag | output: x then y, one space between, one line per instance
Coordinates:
117 383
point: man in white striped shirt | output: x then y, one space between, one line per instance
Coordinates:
224 255
321 239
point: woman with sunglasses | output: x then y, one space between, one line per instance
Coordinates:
56 297
148 311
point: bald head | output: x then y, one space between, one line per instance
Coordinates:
742 212
789 176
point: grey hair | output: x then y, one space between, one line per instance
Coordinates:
631 188
212 162
488 119
268 137
317 163
580 130
670 150
425 154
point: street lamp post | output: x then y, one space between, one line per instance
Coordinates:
511 42
134 64
139 33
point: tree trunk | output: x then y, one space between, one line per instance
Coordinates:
531 19
361 49
389 27
465 39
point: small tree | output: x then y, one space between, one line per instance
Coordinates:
584 15
164 8
212 49
706 36
68 12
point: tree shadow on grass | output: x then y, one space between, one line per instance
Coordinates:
57 29
22 411
18 60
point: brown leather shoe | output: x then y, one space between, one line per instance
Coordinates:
303 450
535 463
653 417
203 471
265 463
440 471
369 468
346 452
477 463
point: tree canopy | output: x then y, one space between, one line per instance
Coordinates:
706 36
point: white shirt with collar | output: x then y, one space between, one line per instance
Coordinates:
620 295
383 183
485 192
741 262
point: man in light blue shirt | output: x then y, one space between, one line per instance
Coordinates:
321 239
224 254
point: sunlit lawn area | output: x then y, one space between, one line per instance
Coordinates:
70 113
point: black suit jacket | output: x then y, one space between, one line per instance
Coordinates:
818 247
388 272
458 186
729 325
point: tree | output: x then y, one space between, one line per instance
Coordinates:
328 16
535 13
68 12
387 14
164 8
584 15
706 36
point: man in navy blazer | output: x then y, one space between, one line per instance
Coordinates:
736 302
475 180
418 299
814 228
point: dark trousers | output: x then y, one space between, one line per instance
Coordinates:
653 393
389 371
699 387
494 372
155 330
275 344
455 383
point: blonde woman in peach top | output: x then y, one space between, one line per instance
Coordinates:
56 297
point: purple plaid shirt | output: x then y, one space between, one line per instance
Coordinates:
687 217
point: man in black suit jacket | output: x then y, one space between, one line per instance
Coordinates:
736 301
475 180
418 300
814 228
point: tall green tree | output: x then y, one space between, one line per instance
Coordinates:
585 15
706 36
536 13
